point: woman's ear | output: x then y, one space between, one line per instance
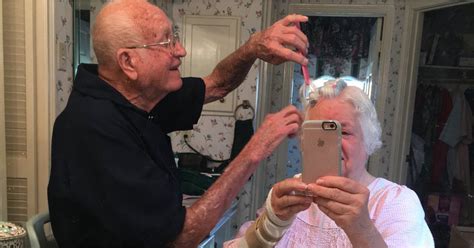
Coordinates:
127 61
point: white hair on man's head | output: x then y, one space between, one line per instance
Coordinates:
329 87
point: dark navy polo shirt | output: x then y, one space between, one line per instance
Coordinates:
113 181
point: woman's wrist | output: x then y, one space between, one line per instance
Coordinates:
271 214
268 228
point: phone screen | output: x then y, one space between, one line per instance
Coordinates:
321 149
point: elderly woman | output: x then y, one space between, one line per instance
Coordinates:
355 209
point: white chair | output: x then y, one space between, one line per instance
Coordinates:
36 233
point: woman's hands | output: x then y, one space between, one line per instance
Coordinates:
288 198
345 201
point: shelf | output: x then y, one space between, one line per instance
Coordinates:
447 67
445 73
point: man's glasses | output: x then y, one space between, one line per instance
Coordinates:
170 43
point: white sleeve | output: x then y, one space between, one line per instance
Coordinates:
402 223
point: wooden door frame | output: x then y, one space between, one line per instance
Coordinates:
3 161
405 99
45 107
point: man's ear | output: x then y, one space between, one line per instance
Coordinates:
127 61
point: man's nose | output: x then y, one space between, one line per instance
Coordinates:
179 50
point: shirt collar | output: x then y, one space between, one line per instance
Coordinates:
87 82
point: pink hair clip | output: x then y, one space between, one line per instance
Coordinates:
304 68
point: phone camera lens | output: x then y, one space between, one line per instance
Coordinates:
331 125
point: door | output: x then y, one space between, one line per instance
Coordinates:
440 151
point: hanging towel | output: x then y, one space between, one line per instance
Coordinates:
243 131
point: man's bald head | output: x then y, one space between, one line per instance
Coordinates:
124 23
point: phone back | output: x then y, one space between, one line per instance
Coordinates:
321 149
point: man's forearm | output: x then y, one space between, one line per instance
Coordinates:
204 214
230 72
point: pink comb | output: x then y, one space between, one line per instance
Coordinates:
304 68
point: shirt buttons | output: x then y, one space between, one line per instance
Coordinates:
151 117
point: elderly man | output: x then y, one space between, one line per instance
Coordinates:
114 182
352 210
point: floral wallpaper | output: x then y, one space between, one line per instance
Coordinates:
63 26
213 135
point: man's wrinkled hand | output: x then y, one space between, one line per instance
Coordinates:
277 43
275 128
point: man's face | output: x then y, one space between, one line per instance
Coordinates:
159 64
353 150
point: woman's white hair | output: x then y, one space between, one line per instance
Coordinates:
329 87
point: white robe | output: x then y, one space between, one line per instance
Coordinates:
395 210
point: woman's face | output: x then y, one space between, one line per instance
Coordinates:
354 155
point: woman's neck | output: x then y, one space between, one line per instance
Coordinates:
365 178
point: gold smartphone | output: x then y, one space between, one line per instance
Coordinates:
321 149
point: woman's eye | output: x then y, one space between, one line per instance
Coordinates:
345 133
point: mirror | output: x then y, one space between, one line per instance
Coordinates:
84 15
345 40
339 46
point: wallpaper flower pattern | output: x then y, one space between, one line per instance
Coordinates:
63 34
213 135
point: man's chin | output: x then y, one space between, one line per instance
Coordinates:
176 84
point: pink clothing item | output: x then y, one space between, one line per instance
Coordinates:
394 209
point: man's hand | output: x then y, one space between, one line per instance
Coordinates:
285 203
271 133
345 201
275 44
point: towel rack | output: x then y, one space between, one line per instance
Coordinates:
245 105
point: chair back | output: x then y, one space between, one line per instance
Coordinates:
36 232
